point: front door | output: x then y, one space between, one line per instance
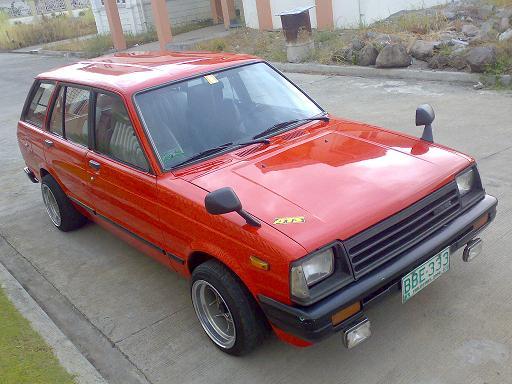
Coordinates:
123 189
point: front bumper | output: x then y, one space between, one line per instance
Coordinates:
314 322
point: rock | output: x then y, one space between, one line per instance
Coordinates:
438 62
485 11
393 56
505 12
457 61
470 30
450 15
367 56
504 24
487 29
506 80
383 38
357 44
479 58
423 50
507 35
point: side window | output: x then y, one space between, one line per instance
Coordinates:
76 115
56 118
36 110
114 133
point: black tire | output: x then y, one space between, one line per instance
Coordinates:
70 218
250 324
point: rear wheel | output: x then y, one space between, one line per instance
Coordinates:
226 310
61 211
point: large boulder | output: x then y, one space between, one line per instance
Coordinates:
423 50
507 35
357 44
438 62
393 56
488 29
504 24
479 58
367 56
470 30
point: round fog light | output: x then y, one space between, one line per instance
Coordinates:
472 250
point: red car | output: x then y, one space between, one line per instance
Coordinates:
222 169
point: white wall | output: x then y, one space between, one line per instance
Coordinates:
345 12
137 16
250 13
181 11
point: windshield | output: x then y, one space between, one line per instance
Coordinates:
232 106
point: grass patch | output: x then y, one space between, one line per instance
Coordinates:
419 23
269 45
101 44
45 30
189 27
500 3
24 357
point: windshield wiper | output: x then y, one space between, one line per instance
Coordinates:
220 148
204 153
284 124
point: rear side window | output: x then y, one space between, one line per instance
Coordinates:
76 115
36 110
70 115
114 133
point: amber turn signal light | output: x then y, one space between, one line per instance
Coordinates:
260 264
345 313
481 222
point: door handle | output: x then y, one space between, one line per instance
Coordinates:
48 143
94 165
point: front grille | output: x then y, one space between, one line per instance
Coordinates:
402 231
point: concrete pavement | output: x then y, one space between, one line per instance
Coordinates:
457 330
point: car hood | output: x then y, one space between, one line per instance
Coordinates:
341 178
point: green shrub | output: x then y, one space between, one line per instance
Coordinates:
45 29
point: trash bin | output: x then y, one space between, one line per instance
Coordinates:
296 24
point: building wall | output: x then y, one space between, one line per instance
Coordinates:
137 16
346 13
181 11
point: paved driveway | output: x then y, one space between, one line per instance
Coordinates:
456 331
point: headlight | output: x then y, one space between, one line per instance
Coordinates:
311 270
466 182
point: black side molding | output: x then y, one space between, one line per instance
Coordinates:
171 256
31 176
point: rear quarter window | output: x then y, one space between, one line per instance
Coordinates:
35 112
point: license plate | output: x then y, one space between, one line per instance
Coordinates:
426 273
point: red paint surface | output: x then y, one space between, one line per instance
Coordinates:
342 176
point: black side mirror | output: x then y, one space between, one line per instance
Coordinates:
425 115
225 200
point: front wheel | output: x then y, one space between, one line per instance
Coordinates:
61 211
226 310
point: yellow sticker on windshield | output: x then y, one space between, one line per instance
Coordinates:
211 79
290 220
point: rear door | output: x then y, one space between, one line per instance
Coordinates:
32 124
66 141
121 182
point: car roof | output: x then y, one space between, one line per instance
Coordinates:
129 72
